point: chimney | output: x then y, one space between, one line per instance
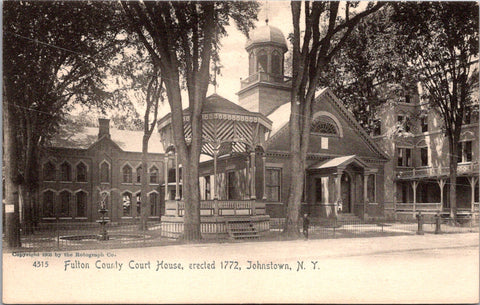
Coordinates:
103 128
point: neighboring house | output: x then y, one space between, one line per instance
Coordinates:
417 175
85 165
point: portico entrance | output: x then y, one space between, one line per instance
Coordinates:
340 185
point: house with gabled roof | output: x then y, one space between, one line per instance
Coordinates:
84 165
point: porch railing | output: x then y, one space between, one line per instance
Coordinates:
426 207
469 168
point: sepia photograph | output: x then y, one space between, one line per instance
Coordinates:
240 152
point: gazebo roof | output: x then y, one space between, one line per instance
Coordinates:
218 107
218 104
226 127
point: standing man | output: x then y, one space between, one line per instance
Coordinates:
306 224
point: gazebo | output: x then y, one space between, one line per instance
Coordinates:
229 130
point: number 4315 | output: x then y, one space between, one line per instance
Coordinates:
40 264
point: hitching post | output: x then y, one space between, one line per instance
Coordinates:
420 223
438 229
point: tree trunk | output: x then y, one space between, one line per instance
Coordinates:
191 197
30 181
144 187
299 141
453 176
12 221
296 185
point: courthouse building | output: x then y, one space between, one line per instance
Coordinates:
244 171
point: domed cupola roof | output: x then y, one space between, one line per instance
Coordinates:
265 35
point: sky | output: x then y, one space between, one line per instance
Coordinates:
233 56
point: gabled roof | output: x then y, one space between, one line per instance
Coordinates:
281 117
339 162
80 137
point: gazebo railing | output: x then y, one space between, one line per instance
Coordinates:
218 208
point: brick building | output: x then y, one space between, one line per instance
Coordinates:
85 165
417 174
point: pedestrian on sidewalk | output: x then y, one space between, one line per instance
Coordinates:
306 224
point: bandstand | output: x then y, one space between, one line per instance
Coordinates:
229 132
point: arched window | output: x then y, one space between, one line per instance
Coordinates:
104 172
153 204
127 204
139 174
153 175
49 171
251 64
276 63
324 125
81 204
81 172
48 204
262 61
64 209
65 171
127 174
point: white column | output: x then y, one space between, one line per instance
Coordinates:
365 194
252 180
165 172
338 184
177 178
264 160
441 184
248 177
414 186
215 184
473 181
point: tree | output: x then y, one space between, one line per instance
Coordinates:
137 76
325 33
180 38
370 70
138 79
441 39
54 53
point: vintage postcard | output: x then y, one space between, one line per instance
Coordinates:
240 152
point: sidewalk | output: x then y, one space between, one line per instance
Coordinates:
344 247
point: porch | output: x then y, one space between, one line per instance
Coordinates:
428 190
342 185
